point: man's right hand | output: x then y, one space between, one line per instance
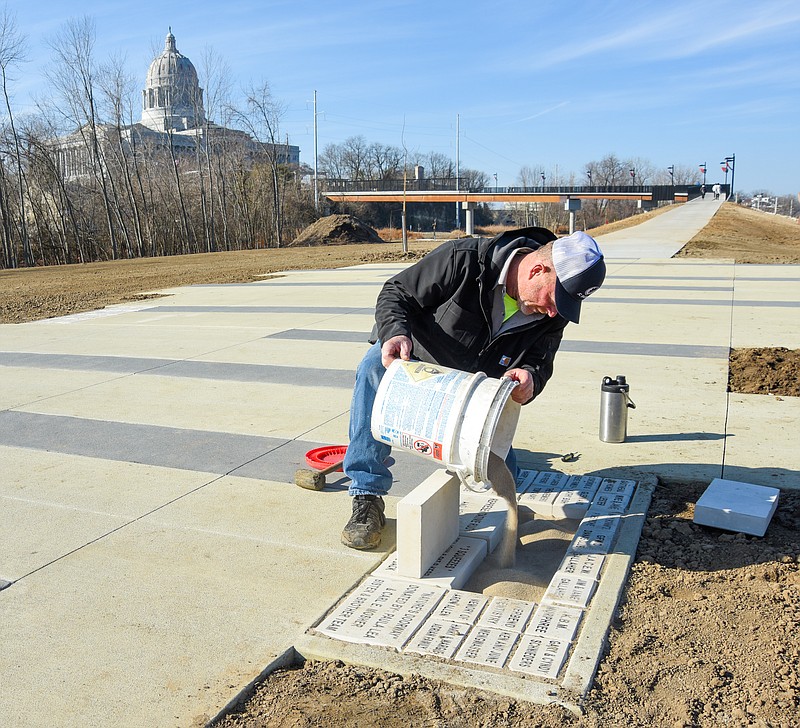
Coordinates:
398 347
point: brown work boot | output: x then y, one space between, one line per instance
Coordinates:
363 530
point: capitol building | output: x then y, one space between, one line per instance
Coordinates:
173 118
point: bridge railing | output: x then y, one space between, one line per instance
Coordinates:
659 193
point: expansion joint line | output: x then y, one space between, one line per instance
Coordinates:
728 370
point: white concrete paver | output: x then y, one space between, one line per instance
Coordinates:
736 506
427 523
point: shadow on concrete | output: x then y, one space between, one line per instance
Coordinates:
678 437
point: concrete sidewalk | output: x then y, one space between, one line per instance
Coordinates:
158 557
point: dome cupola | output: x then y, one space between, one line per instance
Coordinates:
172 99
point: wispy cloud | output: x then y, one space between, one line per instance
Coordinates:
540 113
675 33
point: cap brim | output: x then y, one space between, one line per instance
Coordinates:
567 306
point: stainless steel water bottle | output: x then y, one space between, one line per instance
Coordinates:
614 404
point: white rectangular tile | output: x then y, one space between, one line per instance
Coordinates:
595 536
539 501
486 524
525 478
606 504
382 612
539 656
586 565
450 571
574 499
458 562
541 494
569 589
507 614
486 646
614 486
427 523
472 502
737 506
438 637
460 606
552 479
554 620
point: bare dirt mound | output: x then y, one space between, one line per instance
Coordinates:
336 230
765 371
747 236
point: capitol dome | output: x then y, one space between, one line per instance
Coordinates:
172 99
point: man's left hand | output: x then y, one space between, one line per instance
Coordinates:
524 392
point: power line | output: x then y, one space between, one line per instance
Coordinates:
492 151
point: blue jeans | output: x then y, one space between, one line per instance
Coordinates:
365 456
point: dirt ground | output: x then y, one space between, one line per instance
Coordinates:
28 294
774 371
708 631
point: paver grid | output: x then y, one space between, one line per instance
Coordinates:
538 643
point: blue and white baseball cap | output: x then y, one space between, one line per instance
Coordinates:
580 271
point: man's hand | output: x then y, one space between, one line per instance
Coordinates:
398 347
524 392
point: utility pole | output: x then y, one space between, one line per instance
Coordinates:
403 216
316 191
405 178
458 162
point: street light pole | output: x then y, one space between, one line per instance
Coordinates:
703 167
730 163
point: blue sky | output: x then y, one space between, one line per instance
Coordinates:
551 85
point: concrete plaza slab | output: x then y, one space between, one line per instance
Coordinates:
153 537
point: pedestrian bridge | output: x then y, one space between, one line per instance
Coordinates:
449 190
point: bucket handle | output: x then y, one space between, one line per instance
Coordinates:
628 401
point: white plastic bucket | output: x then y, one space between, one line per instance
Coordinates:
446 414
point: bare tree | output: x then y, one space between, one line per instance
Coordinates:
117 89
11 54
384 161
355 154
73 77
439 166
331 162
216 75
261 119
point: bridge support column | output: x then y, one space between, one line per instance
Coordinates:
469 215
572 206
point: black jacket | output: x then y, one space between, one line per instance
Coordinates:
443 304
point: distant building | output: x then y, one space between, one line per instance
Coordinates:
173 117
